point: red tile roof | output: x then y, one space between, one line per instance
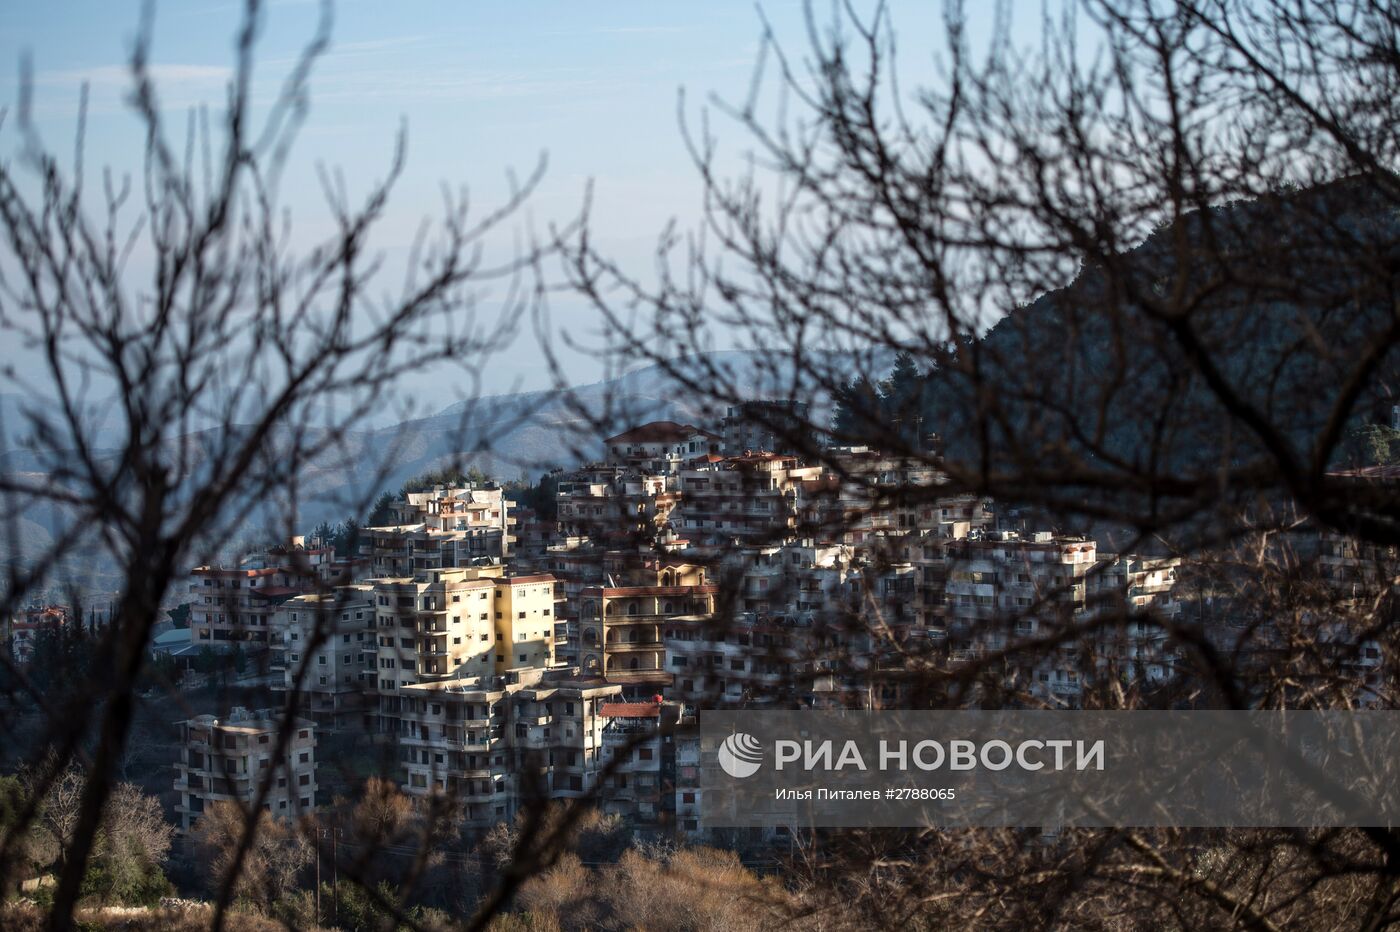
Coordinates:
658 432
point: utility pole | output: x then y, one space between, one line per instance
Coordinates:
335 874
319 836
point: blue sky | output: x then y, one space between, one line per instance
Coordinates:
483 87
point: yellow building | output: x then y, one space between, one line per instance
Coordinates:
524 622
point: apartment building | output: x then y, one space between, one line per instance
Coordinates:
748 661
793 576
640 760
527 607
621 630
660 446
764 425
18 633
755 497
236 603
987 577
980 593
593 567
460 622
441 528
613 502
227 759
454 740
865 499
492 743
324 644
557 730
689 798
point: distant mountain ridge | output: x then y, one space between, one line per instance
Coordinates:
508 436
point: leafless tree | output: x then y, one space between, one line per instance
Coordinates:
176 307
59 807
269 869
1142 289
1141 277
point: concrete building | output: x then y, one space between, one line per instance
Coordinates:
764 425
324 644
640 759
494 743
751 498
227 759
441 528
748 661
236 603
461 622
620 630
660 446
614 503
18 633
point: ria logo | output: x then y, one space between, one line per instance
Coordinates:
740 755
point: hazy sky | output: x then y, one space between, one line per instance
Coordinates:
482 86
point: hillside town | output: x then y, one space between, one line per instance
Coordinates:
495 654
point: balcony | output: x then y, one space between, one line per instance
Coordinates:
659 677
620 645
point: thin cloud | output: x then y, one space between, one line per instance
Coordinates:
120 75
375 45
638 30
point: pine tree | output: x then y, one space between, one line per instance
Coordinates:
859 408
